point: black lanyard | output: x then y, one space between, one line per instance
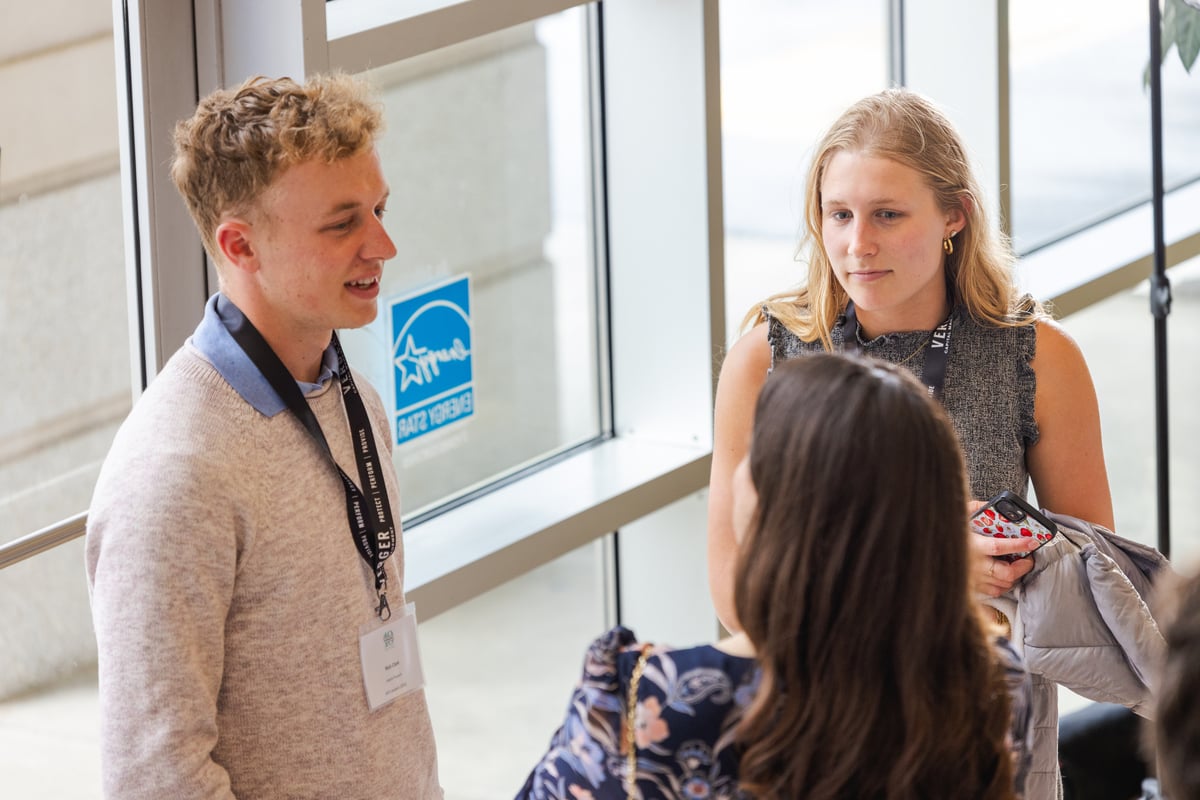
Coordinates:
937 350
370 515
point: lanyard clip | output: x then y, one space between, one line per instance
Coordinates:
384 612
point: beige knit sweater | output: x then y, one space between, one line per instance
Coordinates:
227 597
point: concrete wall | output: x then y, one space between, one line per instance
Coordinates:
62 315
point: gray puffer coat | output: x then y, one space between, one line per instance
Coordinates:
1081 618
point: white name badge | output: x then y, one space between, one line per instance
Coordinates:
391 661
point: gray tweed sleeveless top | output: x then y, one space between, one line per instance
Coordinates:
988 392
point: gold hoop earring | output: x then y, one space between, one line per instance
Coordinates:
948 246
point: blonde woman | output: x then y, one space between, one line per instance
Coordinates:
905 266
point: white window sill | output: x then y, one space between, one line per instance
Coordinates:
370 33
473 548
1112 256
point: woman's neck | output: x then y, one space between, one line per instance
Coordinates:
877 323
737 645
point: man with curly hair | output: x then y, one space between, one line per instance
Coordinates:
243 548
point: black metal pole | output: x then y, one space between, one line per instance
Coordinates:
1160 287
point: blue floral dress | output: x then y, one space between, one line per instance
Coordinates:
689 702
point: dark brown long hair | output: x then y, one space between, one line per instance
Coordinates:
878 679
1174 735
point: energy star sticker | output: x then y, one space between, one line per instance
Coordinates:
411 362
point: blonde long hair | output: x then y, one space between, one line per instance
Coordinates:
902 126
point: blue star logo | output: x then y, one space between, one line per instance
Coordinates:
412 365
432 382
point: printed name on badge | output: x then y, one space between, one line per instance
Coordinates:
391 659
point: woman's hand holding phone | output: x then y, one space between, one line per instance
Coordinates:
1008 530
994 576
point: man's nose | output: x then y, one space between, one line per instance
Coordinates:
379 244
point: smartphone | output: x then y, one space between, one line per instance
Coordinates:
1007 516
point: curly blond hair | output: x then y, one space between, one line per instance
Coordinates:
240 140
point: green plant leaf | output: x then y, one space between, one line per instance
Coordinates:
1187 33
1181 30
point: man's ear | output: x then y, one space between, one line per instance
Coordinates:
233 238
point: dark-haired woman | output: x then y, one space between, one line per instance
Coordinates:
864 668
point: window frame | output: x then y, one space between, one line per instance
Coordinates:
660 245
168 278
1079 270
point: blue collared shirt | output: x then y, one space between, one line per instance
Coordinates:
217 345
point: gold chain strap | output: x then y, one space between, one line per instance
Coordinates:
631 721
913 354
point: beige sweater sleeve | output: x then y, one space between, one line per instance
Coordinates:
161 563
228 598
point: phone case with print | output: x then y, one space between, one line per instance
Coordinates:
1007 516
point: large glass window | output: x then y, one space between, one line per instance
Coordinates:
486 347
490 155
1081 115
787 71
62 316
62 286
499 675
1118 336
